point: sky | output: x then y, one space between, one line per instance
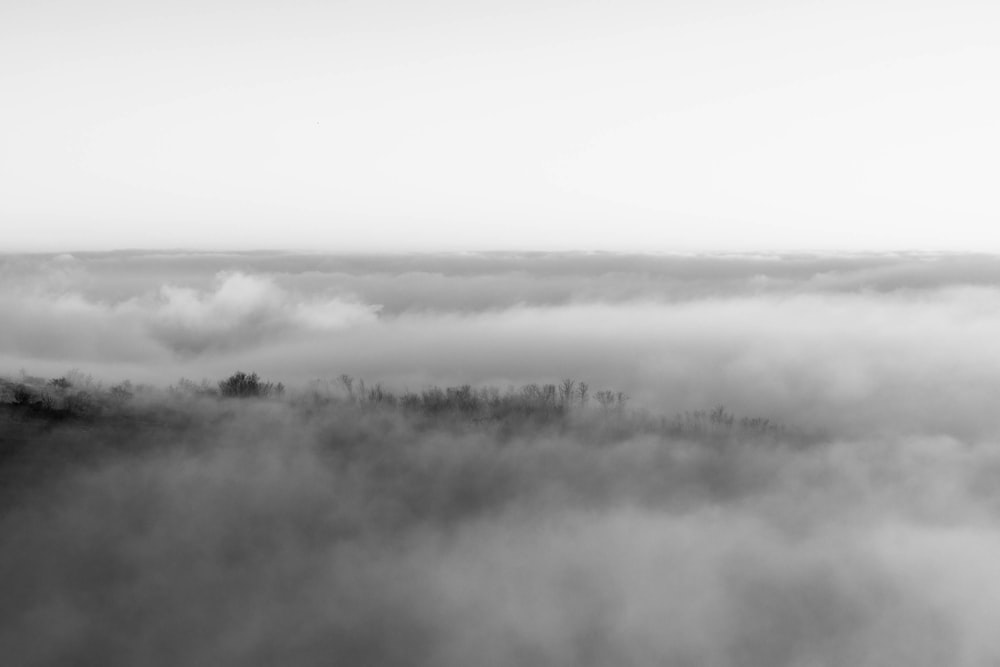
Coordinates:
435 126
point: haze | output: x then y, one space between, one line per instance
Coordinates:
898 342
499 333
851 521
394 126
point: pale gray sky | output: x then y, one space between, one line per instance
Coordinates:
380 125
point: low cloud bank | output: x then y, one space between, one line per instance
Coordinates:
236 312
310 531
240 311
362 538
843 344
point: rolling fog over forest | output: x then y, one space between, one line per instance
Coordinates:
854 344
758 460
520 333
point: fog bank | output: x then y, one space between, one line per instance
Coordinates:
313 527
360 538
863 343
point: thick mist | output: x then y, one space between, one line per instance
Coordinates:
264 535
859 344
318 528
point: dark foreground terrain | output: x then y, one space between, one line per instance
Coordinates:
221 525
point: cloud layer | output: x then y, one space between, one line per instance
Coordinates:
862 343
307 532
358 538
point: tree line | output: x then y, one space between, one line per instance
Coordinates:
76 395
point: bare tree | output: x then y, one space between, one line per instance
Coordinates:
583 390
242 385
566 391
605 398
121 393
347 382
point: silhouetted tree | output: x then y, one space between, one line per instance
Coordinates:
241 385
605 398
22 395
121 393
347 382
60 383
566 391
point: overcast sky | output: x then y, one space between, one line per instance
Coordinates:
392 125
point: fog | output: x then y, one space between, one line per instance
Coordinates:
313 529
883 343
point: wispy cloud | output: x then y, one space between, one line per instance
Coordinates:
241 310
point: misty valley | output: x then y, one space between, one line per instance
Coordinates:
523 333
499 459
